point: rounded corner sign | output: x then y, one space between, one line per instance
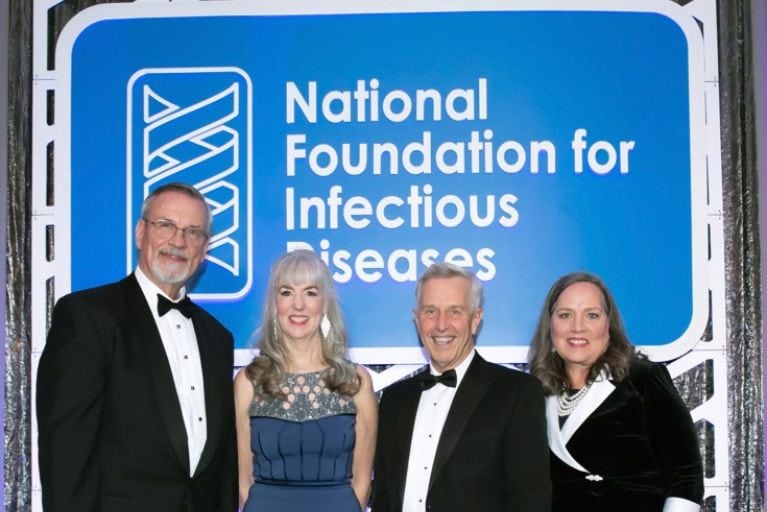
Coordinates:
522 144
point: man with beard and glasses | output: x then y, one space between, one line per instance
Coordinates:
134 387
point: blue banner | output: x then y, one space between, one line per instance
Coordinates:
522 144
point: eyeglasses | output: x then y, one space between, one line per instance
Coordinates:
166 229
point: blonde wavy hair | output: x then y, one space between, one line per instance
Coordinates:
267 370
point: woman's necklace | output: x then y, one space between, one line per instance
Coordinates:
566 404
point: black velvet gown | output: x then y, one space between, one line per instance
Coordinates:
635 444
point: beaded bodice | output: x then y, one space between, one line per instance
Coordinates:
307 397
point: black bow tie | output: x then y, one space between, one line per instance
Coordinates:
427 380
164 305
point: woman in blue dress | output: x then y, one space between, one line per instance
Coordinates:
306 416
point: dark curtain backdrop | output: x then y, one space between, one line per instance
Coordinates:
740 175
17 463
4 40
759 28
740 188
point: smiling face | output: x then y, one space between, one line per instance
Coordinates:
170 262
299 311
580 329
445 321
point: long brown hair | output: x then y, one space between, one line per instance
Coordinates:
548 366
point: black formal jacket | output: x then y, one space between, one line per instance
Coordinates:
111 434
635 444
492 454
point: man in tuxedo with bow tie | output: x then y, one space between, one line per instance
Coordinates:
464 435
134 387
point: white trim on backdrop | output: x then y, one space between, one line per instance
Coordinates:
404 360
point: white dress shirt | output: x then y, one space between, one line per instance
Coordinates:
180 343
430 417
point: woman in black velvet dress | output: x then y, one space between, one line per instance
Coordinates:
621 438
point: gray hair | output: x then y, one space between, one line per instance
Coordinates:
268 369
182 188
448 270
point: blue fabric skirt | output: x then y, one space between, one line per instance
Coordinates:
266 497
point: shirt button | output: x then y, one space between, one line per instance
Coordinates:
192 388
178 326
186 356
199 419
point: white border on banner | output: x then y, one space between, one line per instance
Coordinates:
56 271
393 355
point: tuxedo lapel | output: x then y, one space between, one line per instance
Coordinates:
212 385
600 390
470 391
405 412
558 438
145 330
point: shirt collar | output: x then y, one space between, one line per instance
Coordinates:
460 370
151 290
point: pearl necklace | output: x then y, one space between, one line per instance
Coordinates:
567 404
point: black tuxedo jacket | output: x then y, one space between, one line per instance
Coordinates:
492 454
111 434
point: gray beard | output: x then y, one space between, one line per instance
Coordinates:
166 277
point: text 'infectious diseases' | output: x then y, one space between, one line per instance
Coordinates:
404 162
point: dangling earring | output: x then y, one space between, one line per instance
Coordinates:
325 327
274 330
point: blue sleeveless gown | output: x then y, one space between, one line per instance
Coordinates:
302 449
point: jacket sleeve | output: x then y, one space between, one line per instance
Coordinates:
672 435
229 496
379 496
527 453
70 393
